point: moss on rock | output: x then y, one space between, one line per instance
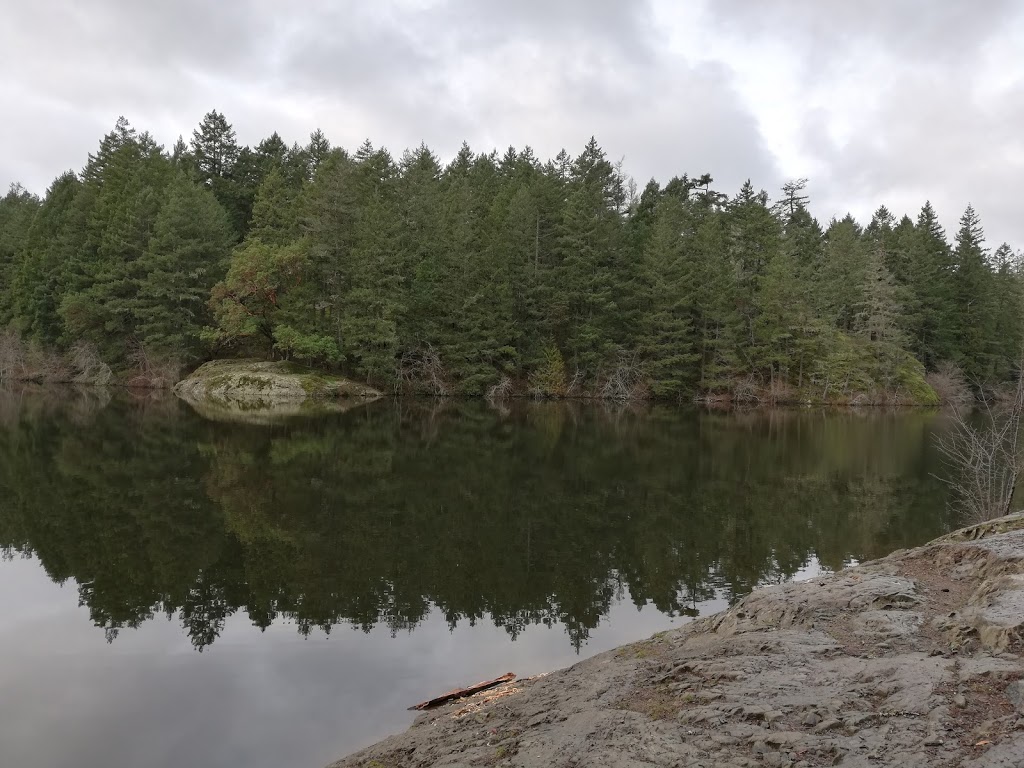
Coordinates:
237 388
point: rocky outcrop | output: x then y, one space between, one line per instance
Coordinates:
912 660
261 391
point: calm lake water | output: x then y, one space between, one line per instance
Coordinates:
178 591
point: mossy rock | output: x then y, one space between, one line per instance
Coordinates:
258 390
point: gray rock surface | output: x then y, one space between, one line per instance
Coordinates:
913 660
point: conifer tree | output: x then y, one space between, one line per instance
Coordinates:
588 249
220 166
973 288
753 239
930 281
57 233
1008 309
17 210
317 151
186 256
668 341
125 183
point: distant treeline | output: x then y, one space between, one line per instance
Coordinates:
497 273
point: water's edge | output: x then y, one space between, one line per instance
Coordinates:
913 656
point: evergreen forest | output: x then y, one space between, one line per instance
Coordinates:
495 274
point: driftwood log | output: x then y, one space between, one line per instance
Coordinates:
461 693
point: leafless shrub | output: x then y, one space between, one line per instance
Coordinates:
500 391
421 370
152 372
575 387
863 398
780 392
950 384
625 382
748 391
88 366
12 355
985 459
45 366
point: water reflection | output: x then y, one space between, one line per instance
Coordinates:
533 514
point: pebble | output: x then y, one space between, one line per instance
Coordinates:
960 700
811 720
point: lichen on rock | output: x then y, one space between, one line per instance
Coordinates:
261 391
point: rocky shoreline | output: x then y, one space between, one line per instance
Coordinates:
912 660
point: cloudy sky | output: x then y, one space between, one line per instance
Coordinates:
879 101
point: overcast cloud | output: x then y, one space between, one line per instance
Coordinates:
876 101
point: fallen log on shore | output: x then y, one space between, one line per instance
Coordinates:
461 693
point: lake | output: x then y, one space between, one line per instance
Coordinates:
178 591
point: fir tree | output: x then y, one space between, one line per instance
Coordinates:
186 256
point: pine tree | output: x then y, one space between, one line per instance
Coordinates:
125 186
717 322
218 166
588 249
317 152
753 239
182 159
973 295
930 281
878 320
215 149
668 341
186 256
792 331
274 213
481 310
56 235
418 196
841 273
1008 309
351 222
376 306
17 210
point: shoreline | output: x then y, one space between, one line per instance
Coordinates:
913 659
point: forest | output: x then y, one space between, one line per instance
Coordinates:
496 274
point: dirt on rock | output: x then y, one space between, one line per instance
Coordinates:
912 660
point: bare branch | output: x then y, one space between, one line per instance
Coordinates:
982 450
